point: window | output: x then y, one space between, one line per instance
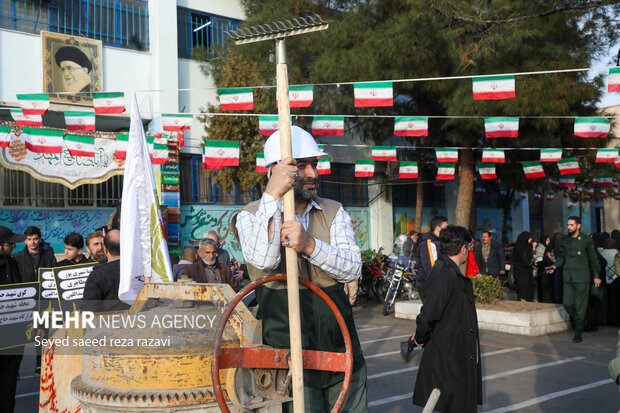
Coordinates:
122 23
19 189
202 30
342 186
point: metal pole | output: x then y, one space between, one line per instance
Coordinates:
292 270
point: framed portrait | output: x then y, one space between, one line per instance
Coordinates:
71 64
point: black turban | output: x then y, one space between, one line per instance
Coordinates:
73 54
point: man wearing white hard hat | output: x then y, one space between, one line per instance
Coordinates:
323 237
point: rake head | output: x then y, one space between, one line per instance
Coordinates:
278 30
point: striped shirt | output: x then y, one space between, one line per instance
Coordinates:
340 258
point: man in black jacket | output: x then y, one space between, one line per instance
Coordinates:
34 256
447 327
490 256
428 252
101 289
12 358
74 245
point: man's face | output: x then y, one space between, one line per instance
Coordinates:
6 249
486 239
74 76
208 253
71 253
305 185
572 227
33 242
95 249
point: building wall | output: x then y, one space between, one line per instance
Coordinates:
381 216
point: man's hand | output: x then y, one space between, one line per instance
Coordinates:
502 272
293 235
597 282
549 270
282 178
413 339
238 276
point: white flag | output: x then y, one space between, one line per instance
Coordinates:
144 252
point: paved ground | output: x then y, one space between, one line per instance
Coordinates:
522 374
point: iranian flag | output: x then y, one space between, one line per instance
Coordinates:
176 122
490 155
237 98
300 96
328 125
34 104
533 170
592 127
537 196
79 121
494 87
43 140
268 124
569 166
324 166
550 155
501 127
26 120
613 80
607 155
408 170
364 169
445 171
523 195
121 145
567 182
373 94
80 145
108 102
159 138
411 126
604 180
217 154
260 162
550 196
5 136
447 155
487 171
158 152
384 153
554 182
590 191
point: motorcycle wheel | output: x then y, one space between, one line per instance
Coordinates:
376 291
387 305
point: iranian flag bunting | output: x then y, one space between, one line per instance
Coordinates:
613 80
328 125
373 94
42 140
537 196
533 170
554 182
5 136
523 195
567 182
569 166
34 104
494 87
26 120
217 154
324 166
490 155
108 102
260 162
607 155
175 122
445 171
411 126
159 154
592 127
239 98
487 171
501 127
408 170
447 155
300 96
550 196
122 139
384 153
364 169
604 180
79 121
550 155
268 124
80 145
590 191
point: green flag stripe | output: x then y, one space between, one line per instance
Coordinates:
445 165
490 78
80 114
363 162
486 165
446 150
34 96
408 164
411 119
222 144
234 90
384 148
591 120
122 137
373 85
80 138
567 160
5 129
300 88
530 164
614 70
42 132
486 120
103 95
159 147
324 160
176 115
319 118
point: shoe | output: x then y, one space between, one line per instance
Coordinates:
37 371
577 339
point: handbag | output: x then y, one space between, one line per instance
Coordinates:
596 291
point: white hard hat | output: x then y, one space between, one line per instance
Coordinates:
303 144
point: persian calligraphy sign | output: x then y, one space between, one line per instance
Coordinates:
69 283
17 302
71 171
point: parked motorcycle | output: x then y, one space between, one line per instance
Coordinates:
399 280
372 277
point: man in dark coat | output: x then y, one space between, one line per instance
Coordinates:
101 289
34 256
207 269
428 252
447 327
490 256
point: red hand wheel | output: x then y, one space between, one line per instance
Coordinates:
268 358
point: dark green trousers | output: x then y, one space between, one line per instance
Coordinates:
575 300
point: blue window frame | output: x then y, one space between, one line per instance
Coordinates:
121 23
210 34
